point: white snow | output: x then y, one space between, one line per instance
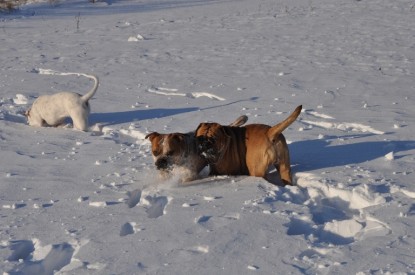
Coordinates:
136 38
20 99
173 92
92 202
390 156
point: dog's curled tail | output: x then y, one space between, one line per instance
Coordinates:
86 96
91 92
280 127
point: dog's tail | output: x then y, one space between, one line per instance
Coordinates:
91 92
86 96
280 127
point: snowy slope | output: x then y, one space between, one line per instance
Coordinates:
92 203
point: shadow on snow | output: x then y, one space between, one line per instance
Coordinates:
135 115
86 8
320 154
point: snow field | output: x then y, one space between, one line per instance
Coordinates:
92 203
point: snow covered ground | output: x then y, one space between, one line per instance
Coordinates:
76 202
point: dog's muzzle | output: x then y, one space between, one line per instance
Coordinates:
162 164
206 147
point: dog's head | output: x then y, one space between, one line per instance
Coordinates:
168 149
212 140
33 118
29 116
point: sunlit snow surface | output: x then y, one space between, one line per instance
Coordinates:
92 202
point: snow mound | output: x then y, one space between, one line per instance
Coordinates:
20 99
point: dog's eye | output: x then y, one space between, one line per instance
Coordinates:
209 142
156 153
205 140
205 143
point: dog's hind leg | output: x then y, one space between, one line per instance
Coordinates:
283 162
285 173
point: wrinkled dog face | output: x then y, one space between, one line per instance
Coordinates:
206 147
168 149
211 141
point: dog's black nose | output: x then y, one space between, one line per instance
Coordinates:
204 143
161 163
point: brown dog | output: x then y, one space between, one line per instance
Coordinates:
248 150
179 150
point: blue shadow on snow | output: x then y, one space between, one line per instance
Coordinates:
320 154
135 115
86 8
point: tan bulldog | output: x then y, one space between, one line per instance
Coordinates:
180 150
248 150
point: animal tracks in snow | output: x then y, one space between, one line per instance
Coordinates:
331 215
156 206
327 216
21 250
337 215
129 228
35 258
214 222
36 205
133 197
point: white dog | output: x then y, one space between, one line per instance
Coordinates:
51 110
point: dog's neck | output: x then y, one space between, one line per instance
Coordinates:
191 146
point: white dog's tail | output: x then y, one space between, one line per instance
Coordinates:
86 96
91 92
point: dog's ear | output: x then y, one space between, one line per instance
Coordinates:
198 127
152 135
180 137
177 138
239 121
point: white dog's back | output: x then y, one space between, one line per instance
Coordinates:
53 109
